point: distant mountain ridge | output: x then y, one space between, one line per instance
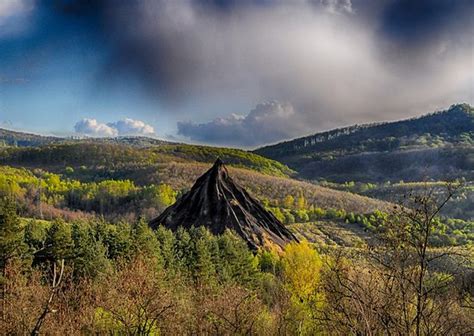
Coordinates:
24 139
438 145
33 149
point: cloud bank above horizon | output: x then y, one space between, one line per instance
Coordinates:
250 72
127 126
267 122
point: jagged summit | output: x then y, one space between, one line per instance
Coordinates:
217 202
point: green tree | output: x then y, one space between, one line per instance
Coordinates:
144 240
268 261
165 195
203 267
301 269
58 248
11 241
278 214
289 218
90 254
167 241
118 240
69 170
11 233
35 235
184 252
59 244
302 216
237 263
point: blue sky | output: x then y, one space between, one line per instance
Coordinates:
237 73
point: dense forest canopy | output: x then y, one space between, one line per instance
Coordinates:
435 146
122 155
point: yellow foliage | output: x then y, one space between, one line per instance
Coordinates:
301 269
289 201
301 202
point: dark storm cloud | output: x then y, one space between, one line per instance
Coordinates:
416 32
421 21
188 49
336 62
331 59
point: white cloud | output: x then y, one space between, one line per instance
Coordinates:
92 127
132 127
126 126
267 122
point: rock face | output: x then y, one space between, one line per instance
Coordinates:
217 202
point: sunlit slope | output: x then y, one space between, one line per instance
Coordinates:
436 146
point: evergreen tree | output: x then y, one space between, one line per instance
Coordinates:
166 241
11 233
118 240
35 235
144 239
203 266
59 244
89 253
268 261
239 264
184 253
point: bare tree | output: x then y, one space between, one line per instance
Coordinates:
56 279
407 286
232 311
137 300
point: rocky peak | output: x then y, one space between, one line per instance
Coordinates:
219 203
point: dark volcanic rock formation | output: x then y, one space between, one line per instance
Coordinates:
217 202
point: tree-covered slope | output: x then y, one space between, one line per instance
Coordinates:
122 155
436 146
21 139
93 183
176 165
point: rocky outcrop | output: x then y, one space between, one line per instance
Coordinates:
218 203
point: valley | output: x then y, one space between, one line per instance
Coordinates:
94 205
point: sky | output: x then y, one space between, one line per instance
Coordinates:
240 73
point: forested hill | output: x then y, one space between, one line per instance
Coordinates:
21 139
115 160
128 174
112 154
438 145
